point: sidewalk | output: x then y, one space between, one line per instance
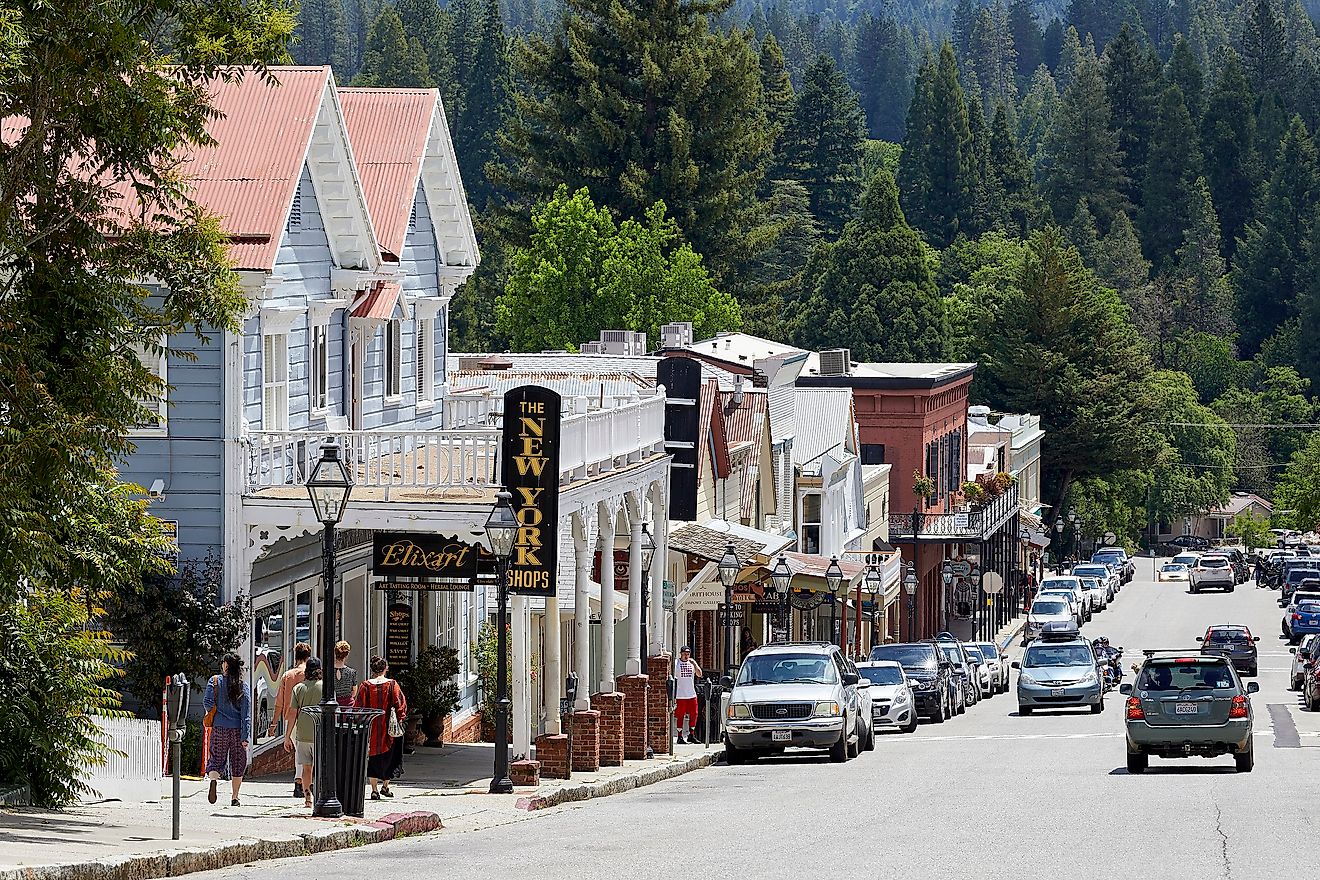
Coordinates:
441 788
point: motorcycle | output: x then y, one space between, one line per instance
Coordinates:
1110 666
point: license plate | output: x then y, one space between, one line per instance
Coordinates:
1185 709
1057 692
781 736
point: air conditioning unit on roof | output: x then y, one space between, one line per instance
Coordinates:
593 348
676 335
835 362
623 342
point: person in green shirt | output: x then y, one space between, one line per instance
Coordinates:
299 737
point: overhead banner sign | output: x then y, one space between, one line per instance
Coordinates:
529 469
423 557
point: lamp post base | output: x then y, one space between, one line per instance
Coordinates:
501 786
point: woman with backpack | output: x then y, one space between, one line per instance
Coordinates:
229 715
385 753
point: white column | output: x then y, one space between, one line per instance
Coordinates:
607 685
582 616
521 620
657 632
554 669
634 659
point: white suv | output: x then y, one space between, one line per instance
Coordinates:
1213 570
798 694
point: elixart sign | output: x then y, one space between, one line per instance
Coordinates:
530 471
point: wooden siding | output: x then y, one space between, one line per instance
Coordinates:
189 458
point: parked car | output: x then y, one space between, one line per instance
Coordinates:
965 672
1294 575
798 695
1071 589
1096 592
1213 570
892 702
1302 618
1311 684
1189 542
1059 670
1127 568
1301 661
998 662
985 675
1106 572
1173 571
1185 704
1046 610
1238 560
930 676
1234 642
1187 559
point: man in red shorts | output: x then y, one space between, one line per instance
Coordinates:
686 671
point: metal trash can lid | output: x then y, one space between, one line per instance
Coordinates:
345 716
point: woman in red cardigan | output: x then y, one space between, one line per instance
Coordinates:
385 753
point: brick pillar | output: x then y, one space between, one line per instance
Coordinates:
552 752
635 696
610 707
657 708
586 740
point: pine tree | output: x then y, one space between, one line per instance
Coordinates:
1098 18
1036 118
1071 54
874 291
994 57
639 103
322 34
433 26
1172 167
1228 136
1185 72
393 59
1132 85
950 164
1083 235
913 176
1028 39
776 86
1200 267
1265 50
964 24
1052 44
1008 168
822 145
882 62
485 101
986 195
1085 161
1120 263
1308 308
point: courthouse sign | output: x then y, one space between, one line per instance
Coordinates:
530 471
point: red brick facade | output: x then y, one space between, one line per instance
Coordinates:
552 753
610 707
525 773
657 707
635 695
466 731
586 740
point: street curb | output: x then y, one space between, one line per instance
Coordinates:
1003 646
589 790
172 863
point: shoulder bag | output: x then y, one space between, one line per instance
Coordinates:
209 719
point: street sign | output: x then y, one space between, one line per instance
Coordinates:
731 616
1110 538
667 595
961 521
960 568
992 583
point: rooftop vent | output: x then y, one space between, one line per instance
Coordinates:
676 335
836 362
978 415
494 362
593 348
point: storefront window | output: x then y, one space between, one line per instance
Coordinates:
303 621
269 645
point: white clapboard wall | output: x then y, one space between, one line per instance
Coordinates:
132 771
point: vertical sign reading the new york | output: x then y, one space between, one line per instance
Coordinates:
530 471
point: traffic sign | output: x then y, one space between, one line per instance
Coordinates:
1110 538
731 616
960 568
992 583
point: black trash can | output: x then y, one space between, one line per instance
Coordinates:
352 741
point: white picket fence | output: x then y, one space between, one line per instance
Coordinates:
132 771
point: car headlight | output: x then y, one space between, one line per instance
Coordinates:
827 707
1089 678
902 697
740 710
1023 678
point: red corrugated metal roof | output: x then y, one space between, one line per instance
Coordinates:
378 301
388 129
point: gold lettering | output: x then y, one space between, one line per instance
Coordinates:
529 516
530 495
526 556
528 537
531 427
535 465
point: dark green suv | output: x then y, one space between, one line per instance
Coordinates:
1184 704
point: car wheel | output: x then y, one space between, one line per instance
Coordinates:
1192 589
1295 684
938 716
733 756
1024 710
1293 638
870 739
911 725
855 748
1097 708
1312 704
1231 588
1253 672
1244 761
839 751
1137 763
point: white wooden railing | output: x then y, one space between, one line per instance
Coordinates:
591 442
133 766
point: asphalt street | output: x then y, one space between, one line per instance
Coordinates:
987 794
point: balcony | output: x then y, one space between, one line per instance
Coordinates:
976 525
398 464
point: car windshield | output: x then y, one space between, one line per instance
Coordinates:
1228 635
1214 562
1184 675
1057 584
1057 655
778 668
1297 575
1186 559
881 674
1047 607
1107 557
1091 583
1309 607
952 653
974 653
921 657
988 650
1098 571
1173 566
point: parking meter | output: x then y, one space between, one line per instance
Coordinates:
570 688
176 698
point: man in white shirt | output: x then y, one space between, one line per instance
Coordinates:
686 671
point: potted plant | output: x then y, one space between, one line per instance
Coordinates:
922 486
432 694
974 494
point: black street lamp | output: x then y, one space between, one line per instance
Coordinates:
910 586
648 556
834 580
781 580
728 566
501 527
329 487
873 585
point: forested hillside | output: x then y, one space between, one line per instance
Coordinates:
1111 207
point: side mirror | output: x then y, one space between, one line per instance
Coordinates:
1294 651
864 683
1125 689
851 678
946 665
1255 638
1253 687
1016 665
726 682
1200 639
